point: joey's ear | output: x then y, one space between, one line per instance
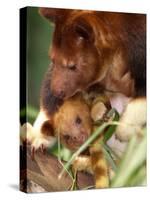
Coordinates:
54 14
47 128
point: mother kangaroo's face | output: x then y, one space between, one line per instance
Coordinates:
74 55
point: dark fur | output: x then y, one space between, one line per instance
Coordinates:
85 52
47 129
48 101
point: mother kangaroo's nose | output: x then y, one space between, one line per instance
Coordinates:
69 64
60 94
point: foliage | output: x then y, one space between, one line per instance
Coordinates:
131 170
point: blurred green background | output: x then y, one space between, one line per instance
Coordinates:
39 35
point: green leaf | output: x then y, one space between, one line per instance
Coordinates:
29 111
112 113
134 157
109 159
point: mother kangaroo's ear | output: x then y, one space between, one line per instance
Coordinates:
54 14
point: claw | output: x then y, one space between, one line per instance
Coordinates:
43 149
32 153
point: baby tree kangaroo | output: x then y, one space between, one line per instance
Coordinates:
73 124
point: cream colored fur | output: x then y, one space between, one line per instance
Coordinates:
133 119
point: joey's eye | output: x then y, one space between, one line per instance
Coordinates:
66 137
78 120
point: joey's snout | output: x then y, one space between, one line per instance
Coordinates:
74 142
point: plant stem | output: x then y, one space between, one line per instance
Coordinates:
133 158
109 159
85 145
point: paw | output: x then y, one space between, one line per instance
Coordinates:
117 146
42 142
98 110
132 120
26 133
37 140
82 163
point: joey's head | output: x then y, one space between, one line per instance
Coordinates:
77 61
73 123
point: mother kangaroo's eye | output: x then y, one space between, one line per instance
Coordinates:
82 32
78 120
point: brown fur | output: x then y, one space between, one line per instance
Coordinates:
72 122
91 47
47 129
